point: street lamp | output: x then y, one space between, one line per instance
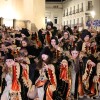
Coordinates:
48 20
93 14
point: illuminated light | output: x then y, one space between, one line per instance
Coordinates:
7 11
93 14
48 20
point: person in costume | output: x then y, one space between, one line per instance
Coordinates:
64 84
96 81
55 49
66 27
32 51
64 41
44 77
1 68
51 31
41 36
11 74
48 34
78 67
24 73
88 46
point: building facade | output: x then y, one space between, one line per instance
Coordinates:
54 13
23 13
77 12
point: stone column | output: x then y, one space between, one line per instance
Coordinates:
34 10
14 23
1 21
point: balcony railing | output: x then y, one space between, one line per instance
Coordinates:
70 13
64 15
77 10
89 8
81 9
67 14
73 11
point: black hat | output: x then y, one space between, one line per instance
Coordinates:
50 23
46 51
9 56
25 32
84 33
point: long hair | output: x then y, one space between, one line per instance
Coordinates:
40 64
76 48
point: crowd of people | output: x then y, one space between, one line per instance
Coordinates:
50 64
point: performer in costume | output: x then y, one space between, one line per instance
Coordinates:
96 81
88 46
48 35
24 73
44 77
63 88
32 51
12 71
41 34
77 72
55 49
57 53
1 68
64 41
51 31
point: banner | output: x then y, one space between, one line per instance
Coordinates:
95 23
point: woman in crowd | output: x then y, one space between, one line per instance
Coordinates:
80 68
44 77
11 74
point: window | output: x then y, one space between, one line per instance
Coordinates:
67 12
45 19
78 8
55 20
90 6
77 20
74 10
70 10
64 22
64 13
67 22
82 5
82 20
70 22
74 21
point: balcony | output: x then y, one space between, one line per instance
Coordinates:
64 15
81 9
81 24
77 10
67 14
70 13
89 8
73 11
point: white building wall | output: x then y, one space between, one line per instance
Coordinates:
54 9
86 14
70 18
30 11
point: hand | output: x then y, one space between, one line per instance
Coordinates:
92 63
